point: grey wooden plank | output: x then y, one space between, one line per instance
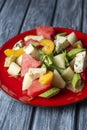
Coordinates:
62 118
13 115
39 13
82 107
69 14
11 17
2 2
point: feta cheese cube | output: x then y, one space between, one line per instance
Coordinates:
60 43
18 45
34 37
36 72
80 62
32 51
14 69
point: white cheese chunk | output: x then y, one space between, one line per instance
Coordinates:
72 38
32 51
18 45
34 37
36 72
14 69
80 62
19 60
60 43
27 82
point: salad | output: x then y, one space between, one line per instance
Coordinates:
48 62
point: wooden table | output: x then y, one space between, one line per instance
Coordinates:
17 16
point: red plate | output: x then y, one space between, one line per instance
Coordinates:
12 86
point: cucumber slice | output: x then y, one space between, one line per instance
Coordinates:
50 93
68 74
59 60
58 80
72 38
73 52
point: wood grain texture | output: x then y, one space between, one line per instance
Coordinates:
68 14
2 2
11 18
40 13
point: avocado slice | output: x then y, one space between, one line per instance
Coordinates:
73 52
49 93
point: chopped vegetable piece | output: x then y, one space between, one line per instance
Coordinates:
78 44
28 62
36 72
68 74
33 37
33 42
37 88
61 34
58 80
18 45
80 62
46 78
32 51
46 31
77 88
72 38
16 53
59 60
75 79
48 46
73 52
49 93
9 60
27 82
19 60
14 69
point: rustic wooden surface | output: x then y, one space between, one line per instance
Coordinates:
17 16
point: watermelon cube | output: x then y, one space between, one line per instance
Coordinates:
46 31
28 62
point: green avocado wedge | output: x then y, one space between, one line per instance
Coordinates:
49 93
73 52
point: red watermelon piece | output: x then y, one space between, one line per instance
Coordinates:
31 41
28 62
36 89
46 31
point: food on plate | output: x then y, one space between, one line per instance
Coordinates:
48 62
